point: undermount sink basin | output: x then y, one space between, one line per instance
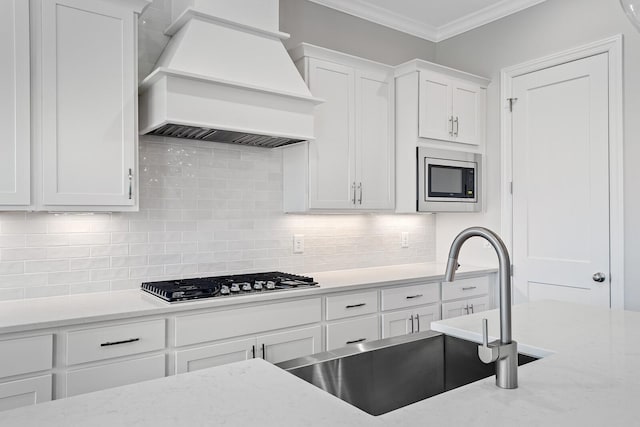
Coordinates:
381 376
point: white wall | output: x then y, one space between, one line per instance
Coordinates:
206 209
549 27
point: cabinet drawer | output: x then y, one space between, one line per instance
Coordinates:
24 355
465 288
30 391
219 325
106 342
352 332
341 306
115 374
409 296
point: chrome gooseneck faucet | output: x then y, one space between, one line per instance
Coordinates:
504 351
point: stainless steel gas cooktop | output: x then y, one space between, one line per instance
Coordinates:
226 286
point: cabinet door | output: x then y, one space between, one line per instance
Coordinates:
455 309
114 374
276 348
375 179
396 324
468 107
423 316
332 154
434 107
30 391
352 332
14 104
89 98
477 305
214 355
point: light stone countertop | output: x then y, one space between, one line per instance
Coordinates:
42 313
590 376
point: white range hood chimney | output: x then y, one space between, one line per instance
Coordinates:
225 76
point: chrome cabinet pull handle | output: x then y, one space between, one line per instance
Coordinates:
130 183
360 188
457 123
355 341
451 126
362 304
471 307
109 343
414 296
411 320
418 322
466 308
468 288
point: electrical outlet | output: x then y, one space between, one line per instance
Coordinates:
298 243
404 239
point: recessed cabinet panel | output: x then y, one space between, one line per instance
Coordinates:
409 296
25 355
375 161
332 154
115 374
15 394
214 355
465 288
467 99
276 348
14 104
435 107
89 130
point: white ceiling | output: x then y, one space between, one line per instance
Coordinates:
433 20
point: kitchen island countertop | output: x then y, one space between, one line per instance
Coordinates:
590 375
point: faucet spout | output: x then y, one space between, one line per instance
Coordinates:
507 363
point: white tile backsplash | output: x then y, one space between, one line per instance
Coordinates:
205 209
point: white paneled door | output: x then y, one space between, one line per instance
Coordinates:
561 182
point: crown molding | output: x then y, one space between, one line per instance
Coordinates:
387 18
382 16
483 16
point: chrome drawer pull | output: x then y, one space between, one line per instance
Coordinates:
468 288
414 296
355 341
106 344
362 304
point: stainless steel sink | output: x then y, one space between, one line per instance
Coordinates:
381 376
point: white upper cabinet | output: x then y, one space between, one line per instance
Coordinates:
451 109
86 74
350 164
15 144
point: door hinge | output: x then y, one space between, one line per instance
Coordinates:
511 101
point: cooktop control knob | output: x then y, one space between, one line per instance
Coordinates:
224 290
258 285
246 286
235 288
271 285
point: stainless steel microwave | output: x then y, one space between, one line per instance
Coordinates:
448 181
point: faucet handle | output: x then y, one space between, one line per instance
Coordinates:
487 352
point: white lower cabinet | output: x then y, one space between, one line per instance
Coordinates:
214 355
274 348
409 321
464 307
353 331
29 391
115 374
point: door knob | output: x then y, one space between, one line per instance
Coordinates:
599 277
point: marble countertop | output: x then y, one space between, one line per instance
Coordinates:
41 313
590 375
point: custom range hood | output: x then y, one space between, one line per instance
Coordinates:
225 76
